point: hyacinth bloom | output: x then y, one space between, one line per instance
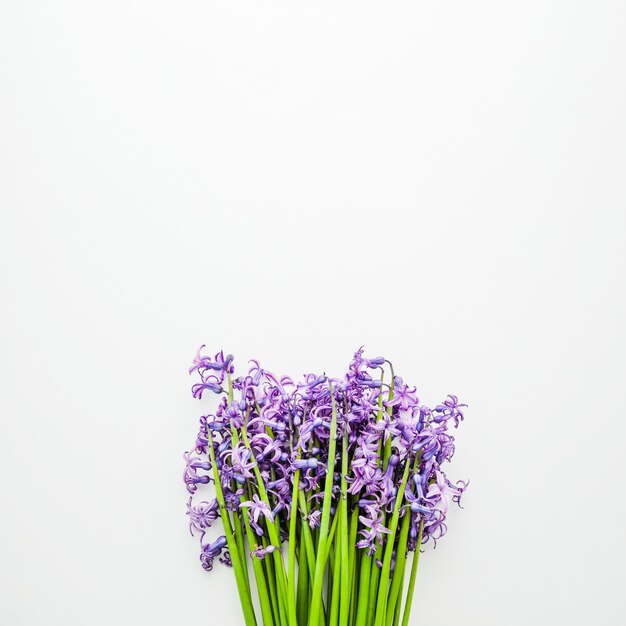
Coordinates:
328 486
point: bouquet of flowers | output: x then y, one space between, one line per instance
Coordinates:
324 487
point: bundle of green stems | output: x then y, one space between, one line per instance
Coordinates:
326 490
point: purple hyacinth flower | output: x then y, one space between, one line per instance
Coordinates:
368 545
261 552
199 388
202 515
257 507
219 363
203 363
191 476
314 518
375 526
372 533
232 498
387 426
450 409
241 460
375 362
403 396
305 463
266 447
365 380
211 551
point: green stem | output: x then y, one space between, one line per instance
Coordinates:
291 560
398 607
271 583
241 544
308 538
344 608
352 563
274 536
236 515
383 586
303 582
337 586
354 577
233 548
310 549
320 565
374 578
364 582
411 589
331 535
259 575
398 573
389 412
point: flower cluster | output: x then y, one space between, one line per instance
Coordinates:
317 468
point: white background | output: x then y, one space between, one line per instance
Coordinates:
441 181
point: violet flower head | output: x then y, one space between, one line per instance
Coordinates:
218 363
211 551
450 409
206 385
241 461
314 519
374 529
191 477
261 553
202 515
257 507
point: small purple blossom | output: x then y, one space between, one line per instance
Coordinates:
256 508
373 531
305 463
241 461
202 515
450 409
232 499
191 477
261 553
206 385
211 551
314 518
